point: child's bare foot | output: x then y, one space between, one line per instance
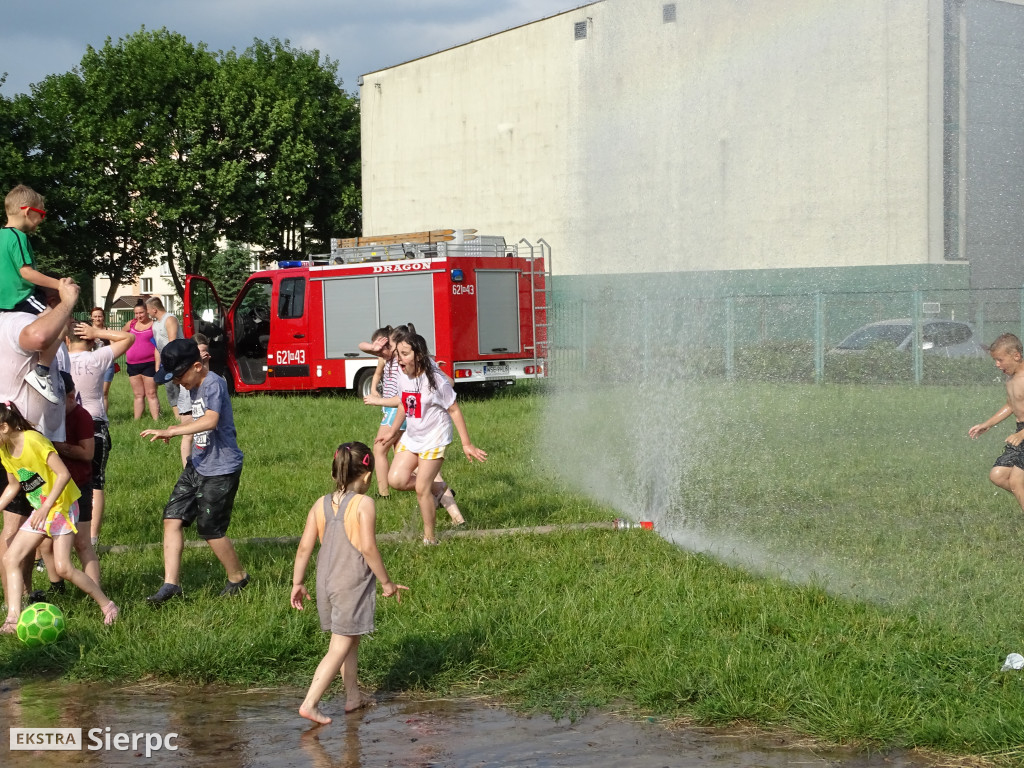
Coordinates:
314 714
446 500
9 626
445 491
352 706
454 513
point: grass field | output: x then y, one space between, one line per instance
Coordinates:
880 595
873 491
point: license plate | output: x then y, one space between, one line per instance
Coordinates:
496 370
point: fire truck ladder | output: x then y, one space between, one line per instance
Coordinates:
540 304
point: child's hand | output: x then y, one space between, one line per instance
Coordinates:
299 594
383 439
977 429
372 400
391 588
37 520
472 452
1015 439
156 434
85 331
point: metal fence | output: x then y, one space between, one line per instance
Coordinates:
116 319
718 334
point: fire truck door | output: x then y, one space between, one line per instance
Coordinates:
204 314
288 352
251 321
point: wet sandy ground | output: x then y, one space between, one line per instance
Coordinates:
232 728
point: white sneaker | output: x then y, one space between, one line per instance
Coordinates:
42 385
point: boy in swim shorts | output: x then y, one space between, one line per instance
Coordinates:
1008 472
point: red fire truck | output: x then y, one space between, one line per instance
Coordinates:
480 303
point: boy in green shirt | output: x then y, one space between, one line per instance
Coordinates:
20 281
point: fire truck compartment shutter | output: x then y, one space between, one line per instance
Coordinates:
408 299
350 315
497 301
355 307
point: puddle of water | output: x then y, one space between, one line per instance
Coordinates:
237 728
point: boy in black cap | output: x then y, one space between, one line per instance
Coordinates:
205 491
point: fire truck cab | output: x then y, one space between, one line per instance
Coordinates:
481 306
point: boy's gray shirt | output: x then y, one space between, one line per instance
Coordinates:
216 451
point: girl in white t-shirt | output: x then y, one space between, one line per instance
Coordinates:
428 409
385 382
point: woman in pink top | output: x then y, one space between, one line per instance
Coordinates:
141 359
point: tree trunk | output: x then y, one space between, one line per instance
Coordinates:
108 300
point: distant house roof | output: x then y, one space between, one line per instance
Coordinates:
127 302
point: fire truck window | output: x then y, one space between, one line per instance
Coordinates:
252 328
292 298
206 311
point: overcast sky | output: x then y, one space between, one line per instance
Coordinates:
360 35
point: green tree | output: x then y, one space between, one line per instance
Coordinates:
103 135
154 148
302 132
168 87
228 269
15 139
21 162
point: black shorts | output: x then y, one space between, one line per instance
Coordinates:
33 304
1013 455
20 505
142 369
85 503
205 500
101 441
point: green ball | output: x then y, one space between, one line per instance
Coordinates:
40 624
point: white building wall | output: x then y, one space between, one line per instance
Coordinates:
742 135
754 135
473 137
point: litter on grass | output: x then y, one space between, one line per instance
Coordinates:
1013 661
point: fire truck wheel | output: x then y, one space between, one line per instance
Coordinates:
363 381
